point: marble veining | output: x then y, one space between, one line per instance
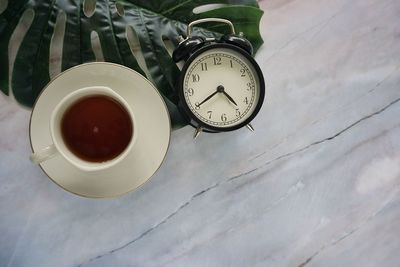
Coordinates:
317 183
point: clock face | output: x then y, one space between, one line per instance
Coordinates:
221 88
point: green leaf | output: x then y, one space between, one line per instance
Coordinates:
153 22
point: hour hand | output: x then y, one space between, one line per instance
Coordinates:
229 97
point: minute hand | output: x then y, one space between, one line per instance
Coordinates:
208 98
229 97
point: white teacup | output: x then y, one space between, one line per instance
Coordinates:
59 147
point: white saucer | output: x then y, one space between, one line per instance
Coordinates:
152 126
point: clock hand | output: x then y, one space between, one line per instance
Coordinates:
220 89
207 98
229 97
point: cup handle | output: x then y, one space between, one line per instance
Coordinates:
44 154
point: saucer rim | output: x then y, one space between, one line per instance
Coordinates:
137 188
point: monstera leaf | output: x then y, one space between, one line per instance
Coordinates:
153 22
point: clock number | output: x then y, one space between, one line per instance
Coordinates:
231 63
246 101
195 78
242 72
204 66
238 113
197 105
249 86
217 61
223 117
209 114
190 91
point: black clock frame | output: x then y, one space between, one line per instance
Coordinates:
196 122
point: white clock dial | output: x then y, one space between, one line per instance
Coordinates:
221 87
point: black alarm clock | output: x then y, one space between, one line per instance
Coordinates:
221 87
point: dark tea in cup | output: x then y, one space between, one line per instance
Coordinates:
96 128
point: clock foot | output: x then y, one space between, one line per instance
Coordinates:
250 127
197 132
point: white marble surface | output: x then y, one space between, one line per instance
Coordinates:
317 184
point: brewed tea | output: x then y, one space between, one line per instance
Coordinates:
96 128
